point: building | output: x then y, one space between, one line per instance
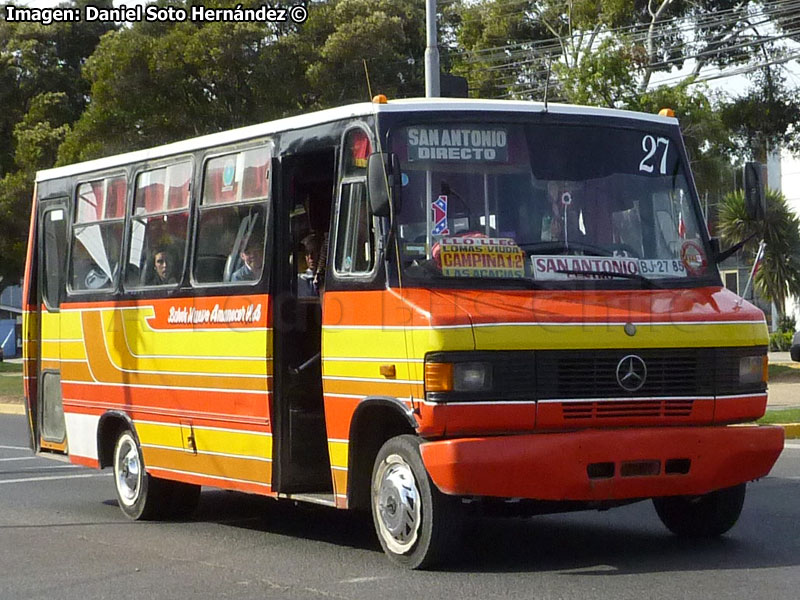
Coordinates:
11 321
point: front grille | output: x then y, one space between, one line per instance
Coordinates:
593 374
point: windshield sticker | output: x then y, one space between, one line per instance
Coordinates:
563 268
464 144
481 257
662 267
554 268
440 216
693 258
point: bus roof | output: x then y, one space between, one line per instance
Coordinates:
335 114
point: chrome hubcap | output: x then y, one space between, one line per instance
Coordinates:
128 471
396 499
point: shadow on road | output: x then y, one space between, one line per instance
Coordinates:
622 541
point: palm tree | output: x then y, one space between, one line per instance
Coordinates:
779 274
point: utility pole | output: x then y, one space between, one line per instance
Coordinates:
432 89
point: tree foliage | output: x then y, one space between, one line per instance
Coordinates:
41 94
779 274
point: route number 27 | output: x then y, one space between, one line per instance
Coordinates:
650 145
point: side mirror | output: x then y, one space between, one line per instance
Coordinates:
755 200
383 183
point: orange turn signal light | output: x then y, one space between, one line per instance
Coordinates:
438 377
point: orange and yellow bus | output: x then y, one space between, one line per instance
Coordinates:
415 307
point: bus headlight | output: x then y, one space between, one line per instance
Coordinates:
752 369
458 377
472 377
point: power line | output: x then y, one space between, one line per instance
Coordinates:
514 58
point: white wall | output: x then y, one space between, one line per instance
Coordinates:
790 186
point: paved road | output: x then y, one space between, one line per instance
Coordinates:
62 535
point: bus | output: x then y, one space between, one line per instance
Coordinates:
420 308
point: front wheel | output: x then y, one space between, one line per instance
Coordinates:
705 516
415 522
142 496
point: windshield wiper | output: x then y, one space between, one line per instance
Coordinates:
636 276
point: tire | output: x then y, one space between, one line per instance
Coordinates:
705 516
143 497
417 525
794 352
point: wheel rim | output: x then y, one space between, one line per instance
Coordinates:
396 504
128 471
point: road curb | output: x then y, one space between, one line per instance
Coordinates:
792 430
12 409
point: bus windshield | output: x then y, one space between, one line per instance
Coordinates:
484 204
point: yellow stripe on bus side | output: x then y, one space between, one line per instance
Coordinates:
587 337
338 453
154 434
239 443
351 342
230 442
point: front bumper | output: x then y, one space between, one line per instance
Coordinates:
610 464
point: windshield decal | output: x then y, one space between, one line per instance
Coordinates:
549 268
693 257
564 268
481 257
463 144
440 216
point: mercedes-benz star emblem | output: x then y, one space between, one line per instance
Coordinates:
631 373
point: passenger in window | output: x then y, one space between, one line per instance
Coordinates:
164 267
253 258
308 282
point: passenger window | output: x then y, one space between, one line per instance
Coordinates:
231 232
97 233
159 226
355 233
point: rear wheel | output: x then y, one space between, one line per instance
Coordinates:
142 496
416 524
705 516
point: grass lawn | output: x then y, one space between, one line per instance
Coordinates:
784 373
10 382
777 415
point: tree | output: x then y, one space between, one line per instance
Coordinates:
779 274
42 94
767 116
154 83
388 34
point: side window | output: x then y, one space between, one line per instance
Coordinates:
97 233
355 232
54 248
355 235
231 231
159 226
